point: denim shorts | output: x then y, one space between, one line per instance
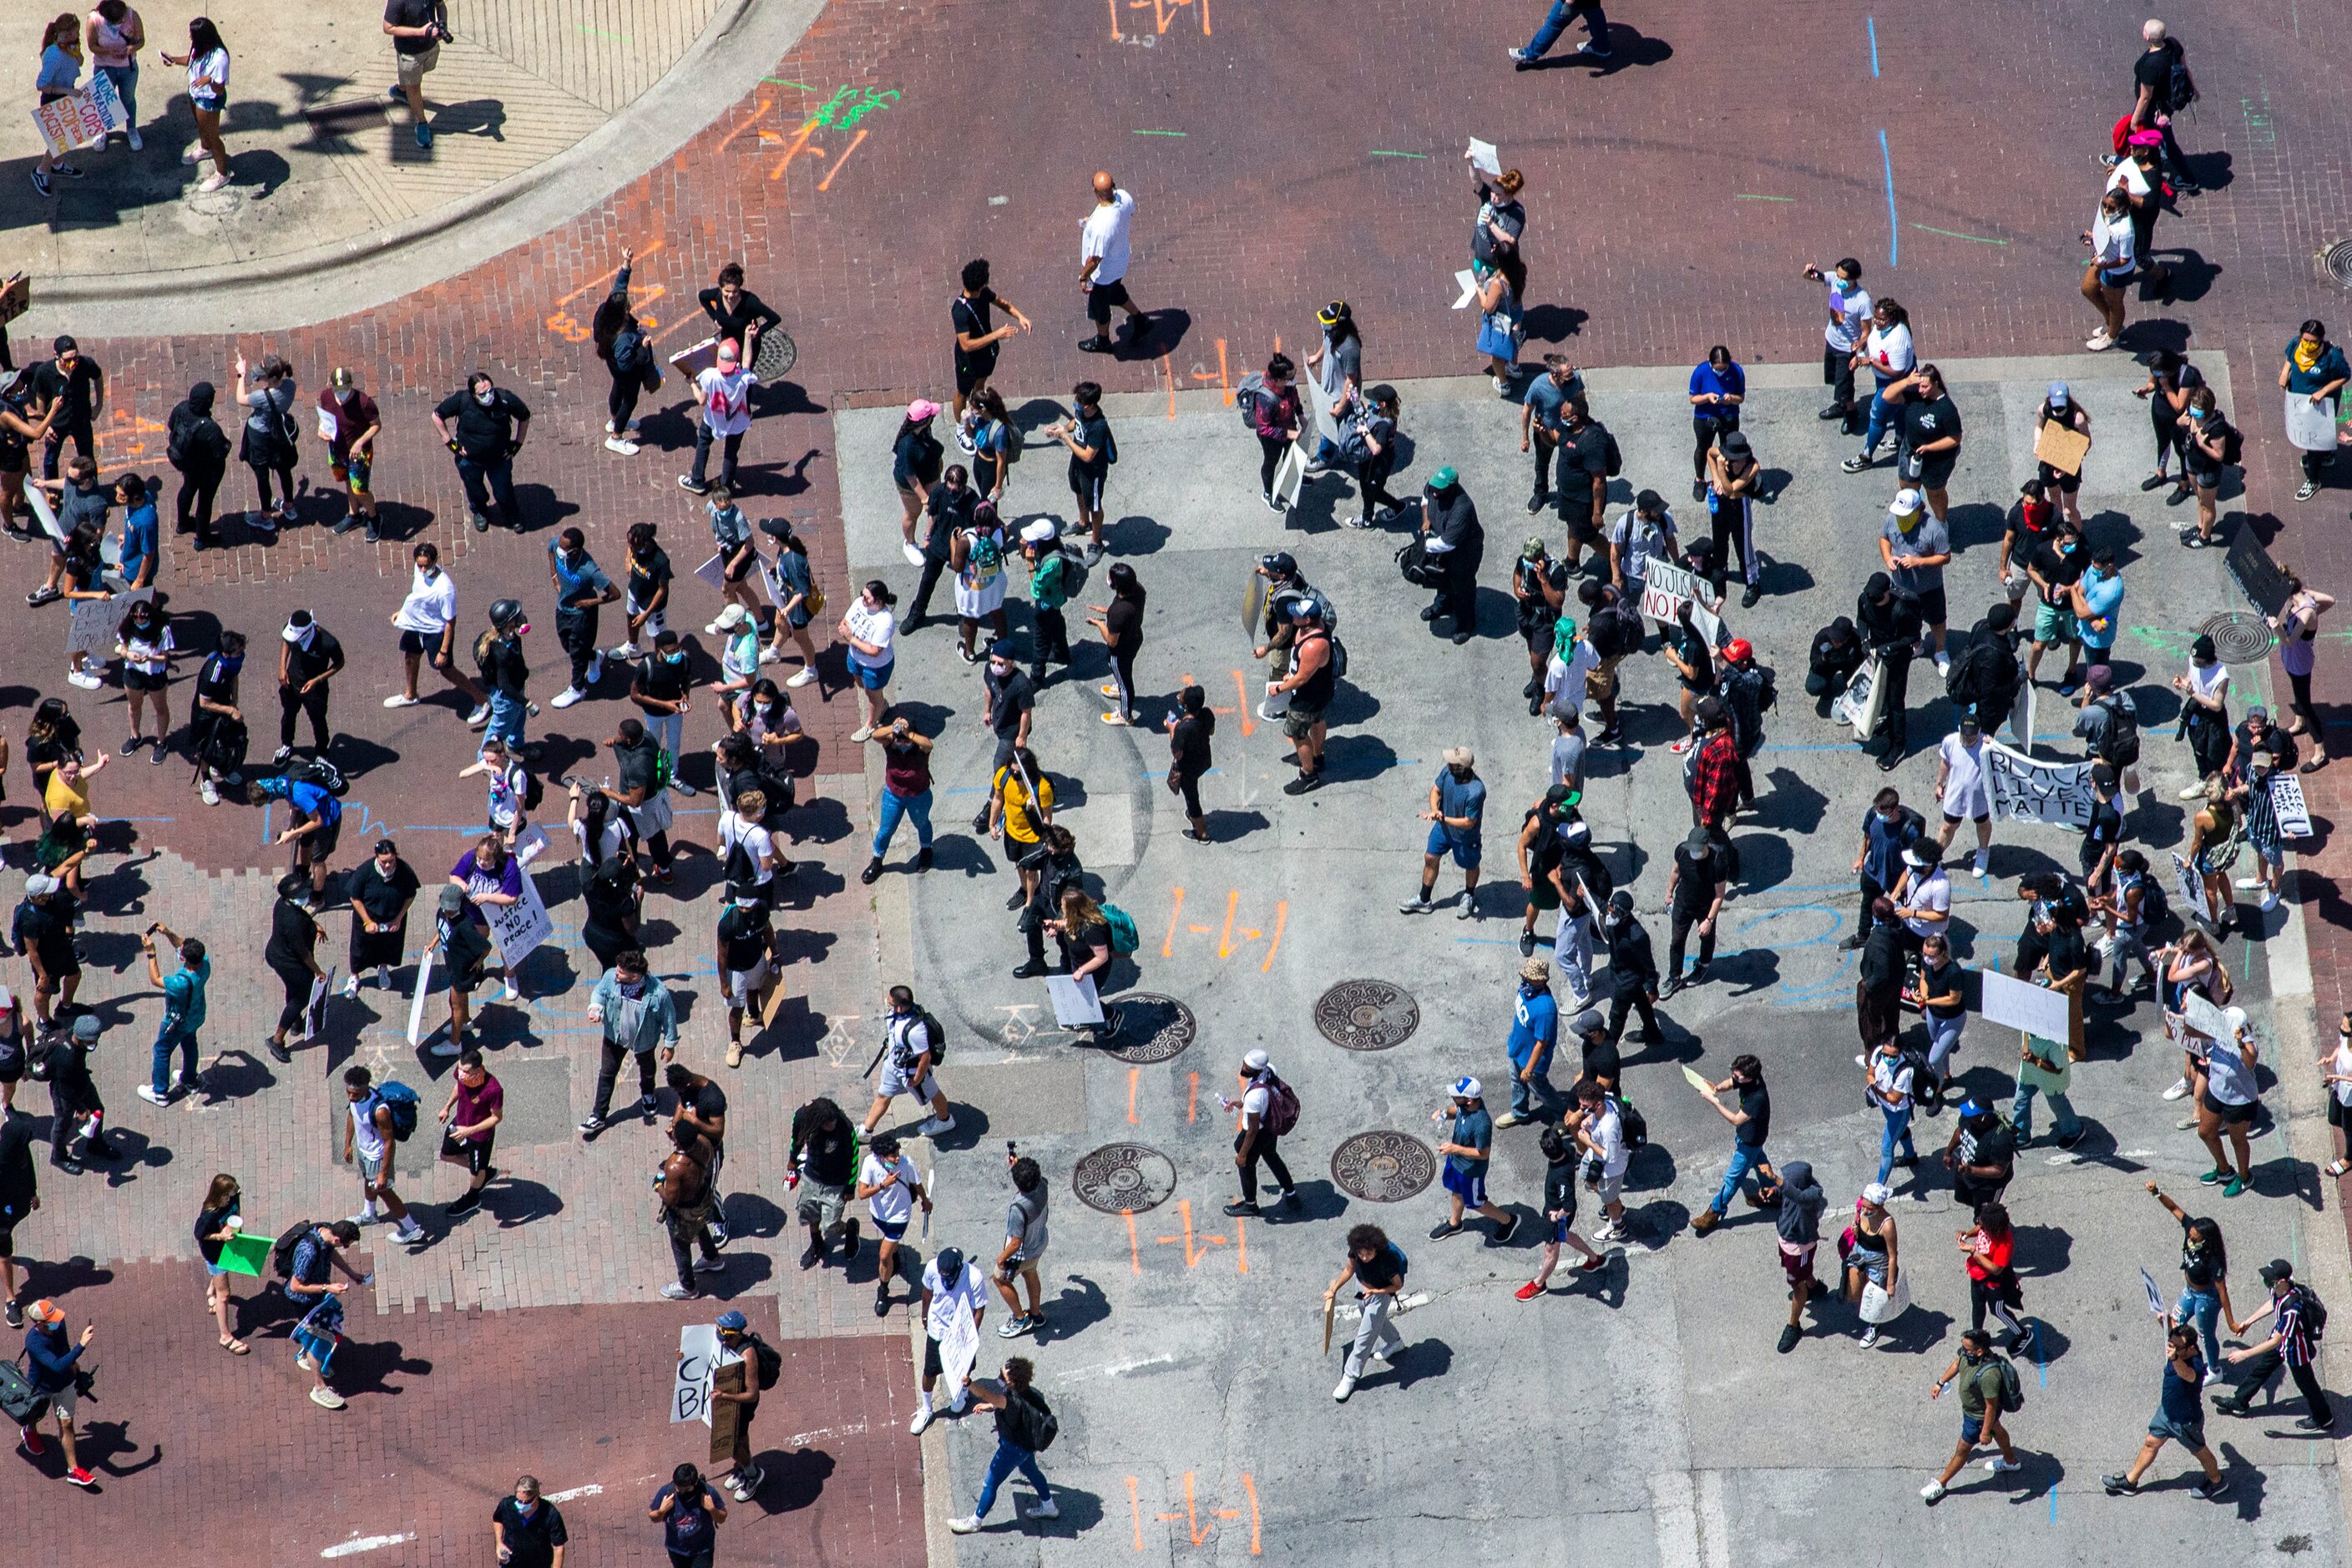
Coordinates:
872 677
1972 1430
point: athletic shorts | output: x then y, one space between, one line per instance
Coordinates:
474 1152
742 986
1102 299
2054 623
2233 1115
322 841
355 472
136 680
1088 488
872 677
2060 479
893 1082
1932 608
821 1203
1471 1189
892 1230
1936 472
970 370
425 643
1463 847
1797 1261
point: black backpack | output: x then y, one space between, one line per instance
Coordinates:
2121 742
1633 1124
937 1037
225 745
1037 1423
1768 689
533 790
1609 444
767 1363
1615 632
320 772
2234 444
2179 87
281 1251
2315 1315
1245 397
1927 1088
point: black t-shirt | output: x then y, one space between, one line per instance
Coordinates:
79 389
1385 1269
1601 1059
744 939
2153 69
504 667
464 944
2065 951
1125 620
665 679
1697 875
43 932
969 314
1509 215
1011 697
485 431
648 575
2106 825
709 1101
1189 743
1583 457
749 308
411 14
1756 1104
292 934
322 655
949 510
384 898
215 682
612 902
530 1542
2060 571
1943 980
1093 431
829 1153
1930 419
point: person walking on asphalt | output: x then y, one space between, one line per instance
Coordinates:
1798 1199
292 955
1985 1379
1889 618
1457 808
1025 1238
889 1182
1104 247
2179 1418
484 427
907 1066
1467 1149
1310 685
1633 968
1535 1032
1752 1124
1258 1138
1378 1267
1024 1424
1561 1158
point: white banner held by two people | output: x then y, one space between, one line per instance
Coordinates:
2026 791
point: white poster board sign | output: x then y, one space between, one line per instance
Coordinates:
1469 282
44 514
2204 1018
1290 477
698 1357
2288 805
1666 588
97 623
2310 426
1330 385
416 999
1075 1001
1858 704
517 929
2022 1005
2026 791
1486 158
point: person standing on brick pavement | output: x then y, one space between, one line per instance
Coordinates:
641 788
216 732
736 313
469 1121
219 1222
141 544
887 1180
70 392
1104 245
745 944
1849 322
20 1194
581 587
415 28
184 1012
953 1301
268 443
789 578
1887 350
1378 1268
702 1105
291 954
484 427
975 338
1024 1424
77 1111
427 622
738 555
646 605
489 875
527 1530
41 932
370 1136
821 1165
2312 370
725 414
505 671
2179 1417
80 503
689 1513
380 889
1025 1238
309 658
738 1345
637 1016
689 1202
2161 89
51 1354
1501 325
197 446
627 350
308 1284
349 424
20 427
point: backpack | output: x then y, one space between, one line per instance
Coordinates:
936 1035
1608 442
2179 87
401 1100
2012 1390
1013 443
1767 690
767 1363
1339 659
987 557
281 1251
2121 745
1927 1088
2154 910
320 772
17 1400
1282 1108
1038 1425
1074 572
1412 560
1245 398
739 871
2315 1315
533 790
1123 937
224 747
2234 444
1614 634
1633 1124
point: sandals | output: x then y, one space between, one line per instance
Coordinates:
235 1346
2339 1167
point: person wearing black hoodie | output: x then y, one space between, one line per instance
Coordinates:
1878 987
199 448
1456 544
1889 620
19 1196
1802 1201
1985 670
1836 654
1633 968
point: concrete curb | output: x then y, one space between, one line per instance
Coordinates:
742 44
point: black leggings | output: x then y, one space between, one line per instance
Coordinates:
1191 784
1122 671
2317 463
1984 1298
1373 484
1266 1149
285 472
197 489
1270 449
297 981
2299 704
1706 433
621 404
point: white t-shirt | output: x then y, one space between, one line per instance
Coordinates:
2341 1066
365 1135
969 1288
1104 234
1889 350
1849 314
611 839
725 399
147 654
1965 794
1608 1132
1890 1076
1639 541
757 841
209 69
2112 238
1932 893
1567 675
431 604
1257 1100
2209 682
894 1204
879 626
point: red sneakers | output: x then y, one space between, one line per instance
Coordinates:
80 1477
1530 1291
31 1439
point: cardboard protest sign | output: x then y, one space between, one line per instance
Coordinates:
517 929
82 118
2024 790
1666 588
2062 447
2022 1005
726 1419
97 623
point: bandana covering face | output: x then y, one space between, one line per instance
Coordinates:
2306 353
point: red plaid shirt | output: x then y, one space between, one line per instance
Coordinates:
1715 788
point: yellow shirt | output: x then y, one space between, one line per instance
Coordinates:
1014 793
63 799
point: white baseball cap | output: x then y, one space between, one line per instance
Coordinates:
1467 1087
1907 501
1256 1061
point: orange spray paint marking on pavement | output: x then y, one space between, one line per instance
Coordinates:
749 120
608 272
1193 1255
1134 1505
1134 1075
799 141
1240 686
1171 371
1241 1243
1221 380
1168 942
1281 916
826 183
1225 937
1191 1514
1134 1265
1249 1485
1192 1101
1115 39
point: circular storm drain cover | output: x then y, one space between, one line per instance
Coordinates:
1383 1167
1366 1015
1124 1178
1154 1028
2336 261
2240 638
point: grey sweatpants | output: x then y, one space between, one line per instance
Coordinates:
1374 1331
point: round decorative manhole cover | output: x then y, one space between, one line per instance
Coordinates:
1153 1029
1383 1167
1366 1015
2336 261
1124 1178
2240 638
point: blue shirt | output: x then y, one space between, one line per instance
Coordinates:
1882 859
1535 1027
1729 381
307 798
184 998
1546 397
686 1529
586 580
1475 1130
138 542
1459 798
2179 1399
2102 596
52 1352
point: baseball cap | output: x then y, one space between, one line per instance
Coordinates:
1041 532
2102 678
1256 1060
1536 971
86 1027
1738 651
734 1323
1972 1106
38 883
1913 855
1535 549
2058 395
1697 839
48 1311
1588 1021
922 408
2276 1269
2256 711
1001 648
2236 1018
1332 314
1907 501
1970 726
342 379
733 616
1446 479
1621 901
1281 561
729 351
2102 775
1459 757
1466 1087
951 1262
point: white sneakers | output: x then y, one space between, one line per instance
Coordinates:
923 1416
2194 792
1347 1386
213 182
209 793
621 443
479 717
806 675
147 1092
444 1047
412 1233
862 733
2099 342
2180 1088
568 696
1932 1491
84 680
931 1127
402 700
622 650
2000 1466
351 987
967 1525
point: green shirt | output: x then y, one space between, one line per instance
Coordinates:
1979 1386
1046 590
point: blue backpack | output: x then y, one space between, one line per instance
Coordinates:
401 1100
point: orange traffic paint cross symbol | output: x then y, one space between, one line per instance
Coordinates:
1191 1516
1231 934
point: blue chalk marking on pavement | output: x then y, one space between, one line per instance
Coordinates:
1894 225
1871 23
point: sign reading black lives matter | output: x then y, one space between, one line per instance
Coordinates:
2026 791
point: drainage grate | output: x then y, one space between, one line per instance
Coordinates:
1366 1015
1153 1029
1124 1178
2336 261
2239 637
1383 1167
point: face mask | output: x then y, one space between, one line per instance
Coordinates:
346 395
629 987
231 666
673 658
485 397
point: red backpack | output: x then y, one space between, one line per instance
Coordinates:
1282 1107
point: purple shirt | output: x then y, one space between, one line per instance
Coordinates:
509 883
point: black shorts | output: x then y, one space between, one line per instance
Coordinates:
2203 477
1837 365
426 643
140 680
12 1069
2059 479
931 1367
2233 1115
736 574
475 1153
321 839
970 370
1936 472
1102 299
1931 606
1539 631
8 1242
2338 1113
1087 486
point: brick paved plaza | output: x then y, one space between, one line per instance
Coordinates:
852 157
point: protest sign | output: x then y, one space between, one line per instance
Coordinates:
246 1255
1858 704
695 358
1331 384
97 623
520 927
2200 1014
2022 1005
1666 589
82 118
2026 791
417 1001
2155 1296
726 1420
1469 282
713 572
16 298
2288 805
1075 1001
314 1013
2062 447
697 1355
1486 158
1290 472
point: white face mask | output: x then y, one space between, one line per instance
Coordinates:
484 396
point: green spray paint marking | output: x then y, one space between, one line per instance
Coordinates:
1954 234
1156 133
1743 197
782 83
600 32
1378 153
842 114
2164 640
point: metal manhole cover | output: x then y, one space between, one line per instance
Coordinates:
1366 1015
2238 637
1124 1178
1154 1028
1383 1167
2336 261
